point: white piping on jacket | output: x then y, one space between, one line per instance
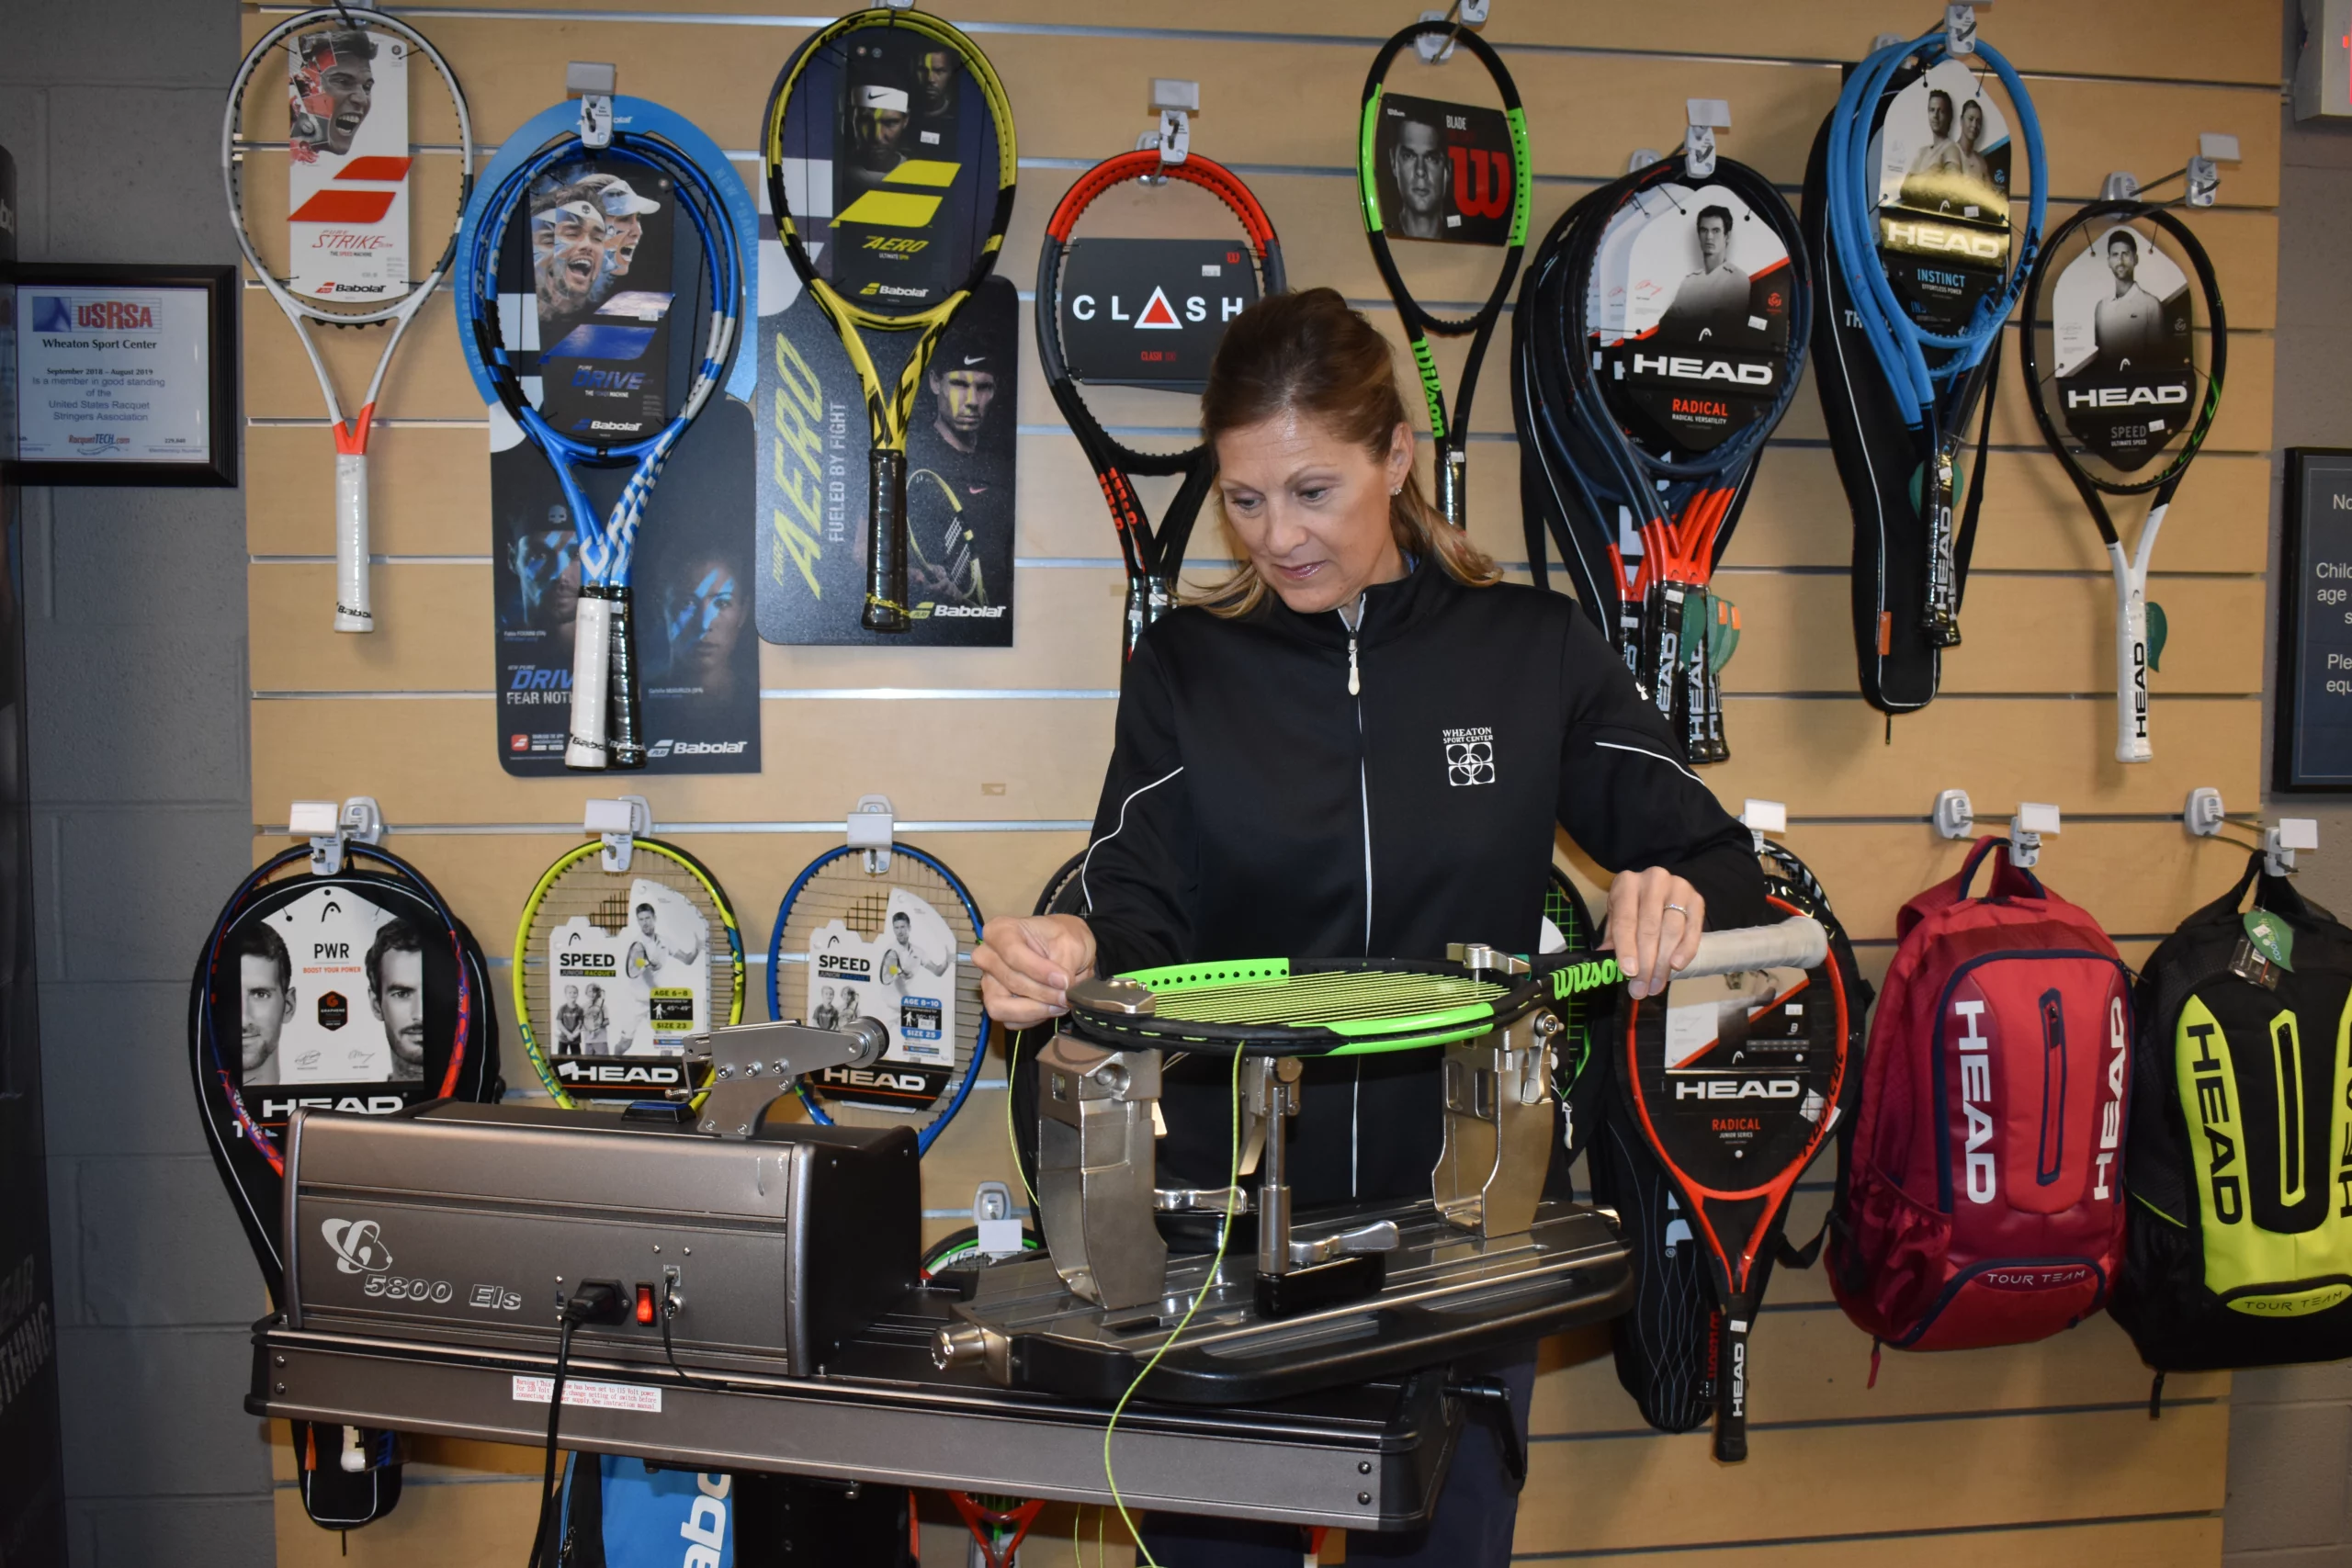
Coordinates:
1122 827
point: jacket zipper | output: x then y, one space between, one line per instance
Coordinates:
1363 799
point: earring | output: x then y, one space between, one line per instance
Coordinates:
1395 489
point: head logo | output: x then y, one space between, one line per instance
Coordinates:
358 1247
1469 757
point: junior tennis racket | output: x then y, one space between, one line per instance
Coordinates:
587 375
890 165
320 87
617 969
885 935
1448 172
2122 375
1248 269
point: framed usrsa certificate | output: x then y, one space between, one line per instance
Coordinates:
123 374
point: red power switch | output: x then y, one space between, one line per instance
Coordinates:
644 1302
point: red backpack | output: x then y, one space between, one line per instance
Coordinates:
1981 1198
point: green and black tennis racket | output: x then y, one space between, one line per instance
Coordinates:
1455 173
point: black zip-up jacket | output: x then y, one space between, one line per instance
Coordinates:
1255 809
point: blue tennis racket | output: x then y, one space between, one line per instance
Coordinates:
1947 202
588 375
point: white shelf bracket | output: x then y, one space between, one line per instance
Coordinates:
1762 817
1954 818
2026 829
330 828
619 823
870 827
2280 844
2203 815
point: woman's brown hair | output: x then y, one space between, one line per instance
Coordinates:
1309 354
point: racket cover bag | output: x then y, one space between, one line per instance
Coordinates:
1878 465
2239 1252
1982 1199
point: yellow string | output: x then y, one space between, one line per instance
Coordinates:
1216 1261
1012 1132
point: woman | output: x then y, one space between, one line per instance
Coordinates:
1361 744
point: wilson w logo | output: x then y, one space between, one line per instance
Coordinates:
1482 184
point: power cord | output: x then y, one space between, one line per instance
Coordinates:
670 1303
595 1302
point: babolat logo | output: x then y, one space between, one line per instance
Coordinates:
1736 1088
1687 368
969 612
355 1104
626 427
704 1530
697 749
1938 237
2126 396
629 1075
896 292
1577 978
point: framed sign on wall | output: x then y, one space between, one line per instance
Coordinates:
2311 751
125 375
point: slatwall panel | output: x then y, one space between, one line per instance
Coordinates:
2041 1454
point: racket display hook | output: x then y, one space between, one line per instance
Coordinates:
330 828
619 823
592 83
1702 118
871 827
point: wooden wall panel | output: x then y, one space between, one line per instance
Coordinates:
2035 1454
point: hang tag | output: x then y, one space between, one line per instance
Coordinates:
2271 938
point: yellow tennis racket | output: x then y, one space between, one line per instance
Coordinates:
891 169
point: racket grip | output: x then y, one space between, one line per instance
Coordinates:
592 668
1731 1409
1800 943
1661 662
352 611
885 545
626 747
2131 678
1452 472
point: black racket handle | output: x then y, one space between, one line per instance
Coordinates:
1731 1410
1662 655
1148 598
1692 702
625 725
1941 617
885 544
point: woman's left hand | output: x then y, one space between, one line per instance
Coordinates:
1654 922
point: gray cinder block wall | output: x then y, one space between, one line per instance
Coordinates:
135 635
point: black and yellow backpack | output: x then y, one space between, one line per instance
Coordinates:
2238 1160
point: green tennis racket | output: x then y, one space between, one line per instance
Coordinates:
1352 1007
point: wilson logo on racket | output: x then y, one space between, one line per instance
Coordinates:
358 1247
1577 978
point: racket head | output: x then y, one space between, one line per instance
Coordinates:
2124 345
890 163
838 930
641 996
359 991
259 129
1736 1118
1471 184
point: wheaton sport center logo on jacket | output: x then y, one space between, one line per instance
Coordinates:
1469 757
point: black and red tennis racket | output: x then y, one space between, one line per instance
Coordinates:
1174 289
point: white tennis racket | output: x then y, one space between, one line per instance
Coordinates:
308 89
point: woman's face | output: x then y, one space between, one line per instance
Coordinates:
1311 509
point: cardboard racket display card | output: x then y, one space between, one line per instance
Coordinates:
607 352
813 436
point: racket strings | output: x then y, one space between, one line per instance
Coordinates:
1312 1000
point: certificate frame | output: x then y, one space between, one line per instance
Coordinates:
2308 755
219 285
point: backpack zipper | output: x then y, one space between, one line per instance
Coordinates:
1363 799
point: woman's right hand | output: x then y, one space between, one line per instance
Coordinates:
1027 963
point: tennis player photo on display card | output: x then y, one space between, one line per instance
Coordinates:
1444 171
333 991
2121 321
901 975
1705 318
600 245
347 172
1943 156
960 464
638 989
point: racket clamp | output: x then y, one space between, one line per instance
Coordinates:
871 826
1498 1124
1702 117
330 828
620 823
751 1064
1095 1168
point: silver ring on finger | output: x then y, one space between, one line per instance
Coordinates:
1680 910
